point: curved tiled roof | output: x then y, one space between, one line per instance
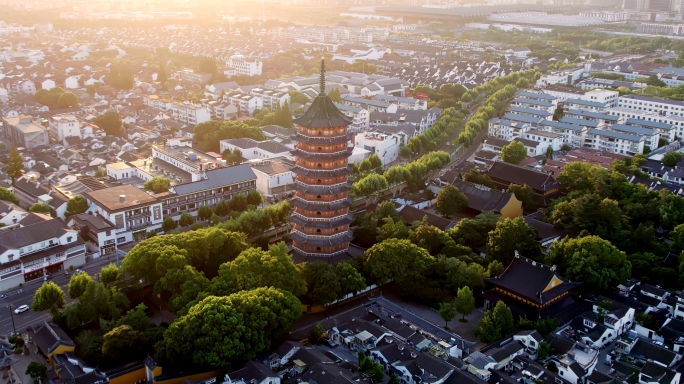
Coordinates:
323 114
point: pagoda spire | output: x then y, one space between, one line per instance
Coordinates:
322 80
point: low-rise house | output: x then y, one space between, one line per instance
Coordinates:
482 199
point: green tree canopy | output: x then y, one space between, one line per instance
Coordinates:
42 208
671 158
255 268
49 297
465 301
221 331
157 184
591 260
15 164
397 259
514 152
8 195
512 235
450 201
110 122
36 370
78 284
76 205
447 311
525 194
169 224
204 212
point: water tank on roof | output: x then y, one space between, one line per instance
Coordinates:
192 156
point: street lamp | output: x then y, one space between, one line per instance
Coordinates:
12 316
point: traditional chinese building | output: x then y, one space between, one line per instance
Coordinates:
321 218
530 288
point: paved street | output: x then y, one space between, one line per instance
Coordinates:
24 295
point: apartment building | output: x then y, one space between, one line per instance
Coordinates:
608 97
650 135
586 105
544 140
245 103
614 142
506 129
157 102
571 134
662 107
40 246
24 131
245 65
270 98
189 113
360 117
541 105
668 125
99 230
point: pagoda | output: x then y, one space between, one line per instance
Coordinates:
321 218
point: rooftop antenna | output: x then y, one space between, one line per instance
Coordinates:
322 81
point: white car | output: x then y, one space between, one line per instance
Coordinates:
21 308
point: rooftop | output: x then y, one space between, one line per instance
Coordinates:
110 198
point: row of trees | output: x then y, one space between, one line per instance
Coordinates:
397 177
208 134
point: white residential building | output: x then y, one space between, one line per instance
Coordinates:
271 99
506 129
571 134
608 97
157 102
272 176
668 125
24 131
585 105
245 103
614 142
245 65
545 140
386 146
360 117
662 107
650 135
189 113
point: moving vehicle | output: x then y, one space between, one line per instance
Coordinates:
21 308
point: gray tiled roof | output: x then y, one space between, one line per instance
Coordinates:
217 178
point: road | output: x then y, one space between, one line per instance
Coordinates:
24 295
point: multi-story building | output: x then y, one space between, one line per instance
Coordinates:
271 99
541 105
321 218
245 103
668 125
386 146
360 117
571 133
217 184
99 231
132 211
24 131
506 129
68 125
614 142
662 107
608 97
41 247
592 106
195 77
545 140
245 66
256 150
157 102
189 113
650 135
